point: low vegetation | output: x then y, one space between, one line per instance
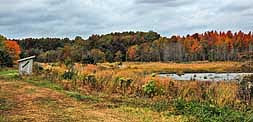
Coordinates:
128 88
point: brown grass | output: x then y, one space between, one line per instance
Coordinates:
223 93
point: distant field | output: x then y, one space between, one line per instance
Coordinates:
186 67
168 67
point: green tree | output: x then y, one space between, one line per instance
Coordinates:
98 55
119 56
5 59
2 39
151 36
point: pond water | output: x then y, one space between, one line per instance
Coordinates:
207 76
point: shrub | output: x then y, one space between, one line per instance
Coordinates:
68 75
37 68
151 89
91 80
246 89
125 83
68 63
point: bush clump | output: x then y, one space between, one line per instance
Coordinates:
246 89
91 80
125 83
68 75
150 89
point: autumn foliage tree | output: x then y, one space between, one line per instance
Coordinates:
13 49
132 53
98 55
5 56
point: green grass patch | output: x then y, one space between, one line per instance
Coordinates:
3 119
81 97
209 113
44 83
5 105
37 81
160 106
9 73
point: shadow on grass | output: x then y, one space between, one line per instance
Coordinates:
5 105
40 82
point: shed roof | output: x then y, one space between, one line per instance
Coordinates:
25 59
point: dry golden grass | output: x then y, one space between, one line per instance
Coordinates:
185 67
224 93
86 69
106 75
219 93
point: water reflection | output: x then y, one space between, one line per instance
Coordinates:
207 76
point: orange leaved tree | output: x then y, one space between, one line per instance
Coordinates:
13 49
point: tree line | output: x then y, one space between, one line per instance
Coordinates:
140 46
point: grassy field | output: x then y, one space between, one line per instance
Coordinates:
101 93
35 99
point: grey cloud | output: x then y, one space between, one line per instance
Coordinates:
68 18
155 1
49 19
236 8
168 3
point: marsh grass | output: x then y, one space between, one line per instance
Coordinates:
193 96
100 78
191 67
181 100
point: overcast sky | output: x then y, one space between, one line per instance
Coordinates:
70 18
